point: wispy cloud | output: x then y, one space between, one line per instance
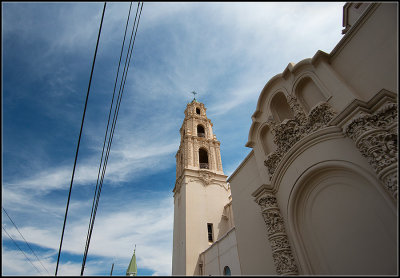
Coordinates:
146 224
224 51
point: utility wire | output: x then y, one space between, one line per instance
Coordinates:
21 251
79 139
105 138
123 80
25 240
117 109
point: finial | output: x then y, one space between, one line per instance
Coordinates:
194 95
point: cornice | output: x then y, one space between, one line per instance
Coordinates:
357 107
353 29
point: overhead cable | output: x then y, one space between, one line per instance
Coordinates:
25 240
21 250
79 139
102 153
118 102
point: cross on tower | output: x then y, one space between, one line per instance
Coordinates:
194 95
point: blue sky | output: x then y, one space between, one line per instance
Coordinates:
226 52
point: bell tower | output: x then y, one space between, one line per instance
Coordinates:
200 191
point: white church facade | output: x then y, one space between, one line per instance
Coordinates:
317 194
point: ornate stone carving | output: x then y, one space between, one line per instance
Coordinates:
272 162
287 134
375 135
206 177
281 251
274 222
267 201
290 131
299 114
284 262
279 242
319 117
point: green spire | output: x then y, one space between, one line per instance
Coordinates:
132 268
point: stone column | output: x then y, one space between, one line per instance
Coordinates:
187 153
219 160
195 153
281 251
211 163
375 135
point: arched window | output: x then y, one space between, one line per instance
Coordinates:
227 271
203 159
200 131
267 140
198 111
280 108
308 93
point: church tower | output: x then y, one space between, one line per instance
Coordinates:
200 192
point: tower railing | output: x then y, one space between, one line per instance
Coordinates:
204 166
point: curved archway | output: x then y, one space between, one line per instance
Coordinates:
267 140
200 131
203 158
280 107
308 93
341 223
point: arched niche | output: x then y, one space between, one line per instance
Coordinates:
308 93
342 224
201 131
280 108
203 158
267 140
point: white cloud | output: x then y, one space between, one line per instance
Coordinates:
225 51
14 262
146 223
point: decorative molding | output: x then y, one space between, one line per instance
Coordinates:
281 252
207 177
290 131
375 135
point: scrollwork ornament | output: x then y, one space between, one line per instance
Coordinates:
272 162
297 110
319 117
280 246
390 182
279 242
268 201
206 177
284 262
274 222
375 135
290 131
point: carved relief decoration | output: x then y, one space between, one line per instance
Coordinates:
375 135
281 252
208 178
290 131
296 108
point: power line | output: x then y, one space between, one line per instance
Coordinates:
21 251
101 159
79 139
25 240
121 89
